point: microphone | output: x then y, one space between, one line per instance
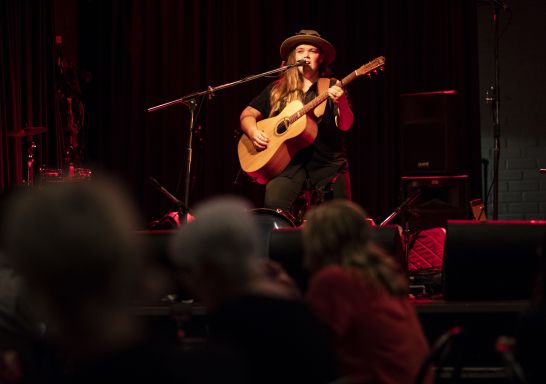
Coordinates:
298 63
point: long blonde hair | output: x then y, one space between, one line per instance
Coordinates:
336 233
289 87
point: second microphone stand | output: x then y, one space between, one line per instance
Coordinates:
493 97
191 102
406 232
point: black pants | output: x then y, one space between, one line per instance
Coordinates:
282 191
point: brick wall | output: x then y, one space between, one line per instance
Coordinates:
522 190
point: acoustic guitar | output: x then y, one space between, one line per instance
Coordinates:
290 131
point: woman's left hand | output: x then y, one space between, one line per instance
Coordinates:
336 93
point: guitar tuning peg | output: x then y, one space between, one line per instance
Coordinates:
375 71
369 74
381 68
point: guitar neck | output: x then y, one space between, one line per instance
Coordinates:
367 68
319 99
308 107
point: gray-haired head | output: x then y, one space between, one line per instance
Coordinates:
219 248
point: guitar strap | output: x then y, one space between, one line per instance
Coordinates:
322 86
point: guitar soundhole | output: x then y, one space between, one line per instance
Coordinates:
282 127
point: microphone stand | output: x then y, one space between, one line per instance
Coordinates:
494 99
485 163
191 103
406 231
181 208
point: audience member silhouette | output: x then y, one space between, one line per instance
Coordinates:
20 333
256 317
531 333
359 292
75 246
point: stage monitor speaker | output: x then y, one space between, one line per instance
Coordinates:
491 260
434 200
430 131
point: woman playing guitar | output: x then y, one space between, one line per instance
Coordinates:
321 158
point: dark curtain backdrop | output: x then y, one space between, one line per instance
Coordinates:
142 52
25 79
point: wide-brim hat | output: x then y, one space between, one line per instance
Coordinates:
311 37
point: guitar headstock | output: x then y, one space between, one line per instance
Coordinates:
371 67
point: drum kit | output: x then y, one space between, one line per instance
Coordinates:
70 106
58 175
48 175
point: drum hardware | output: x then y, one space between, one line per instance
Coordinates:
51 175
58 175
270 219
82 173
30 163
308 199
311 197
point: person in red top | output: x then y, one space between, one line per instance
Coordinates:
361 295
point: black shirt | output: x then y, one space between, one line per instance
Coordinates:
328 148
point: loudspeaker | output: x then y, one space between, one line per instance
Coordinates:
430 133
491 260
434 200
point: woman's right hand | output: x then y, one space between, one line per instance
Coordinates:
259 139
248 119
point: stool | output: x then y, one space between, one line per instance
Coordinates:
308 199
